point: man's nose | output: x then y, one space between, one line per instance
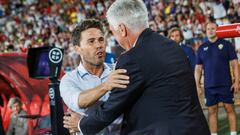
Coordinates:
99 44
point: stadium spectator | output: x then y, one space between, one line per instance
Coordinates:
176 35
18 125
213 57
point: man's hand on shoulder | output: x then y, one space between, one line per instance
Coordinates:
117 79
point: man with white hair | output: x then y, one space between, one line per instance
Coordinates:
161 98
18 125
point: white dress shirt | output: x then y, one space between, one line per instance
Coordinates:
79 80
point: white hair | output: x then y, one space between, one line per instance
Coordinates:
14 100
132 13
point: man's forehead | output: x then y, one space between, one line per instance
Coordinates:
92 33
211 25
176 32
92 30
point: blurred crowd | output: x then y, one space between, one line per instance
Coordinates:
34 23
191 16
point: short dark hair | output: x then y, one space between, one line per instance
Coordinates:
84 25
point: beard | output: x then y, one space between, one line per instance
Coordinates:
97 62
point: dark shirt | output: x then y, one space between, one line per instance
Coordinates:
190 54
215 59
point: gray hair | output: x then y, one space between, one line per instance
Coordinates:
14 100
132 13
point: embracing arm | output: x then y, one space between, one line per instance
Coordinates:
115 80
73 96
120 100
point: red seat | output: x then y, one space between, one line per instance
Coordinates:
46 98
6 118
35 107
4 108
25 108
45 106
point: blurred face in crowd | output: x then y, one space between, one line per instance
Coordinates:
175 35
92 47
211 30
16 108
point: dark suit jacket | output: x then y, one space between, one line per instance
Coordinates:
161 98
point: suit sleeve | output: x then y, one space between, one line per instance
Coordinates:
120 100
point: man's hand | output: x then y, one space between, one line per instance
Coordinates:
235 87
116 79
70 121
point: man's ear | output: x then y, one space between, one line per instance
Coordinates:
123 30
78 49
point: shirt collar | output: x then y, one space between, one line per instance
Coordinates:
135 42
82 71
180 44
